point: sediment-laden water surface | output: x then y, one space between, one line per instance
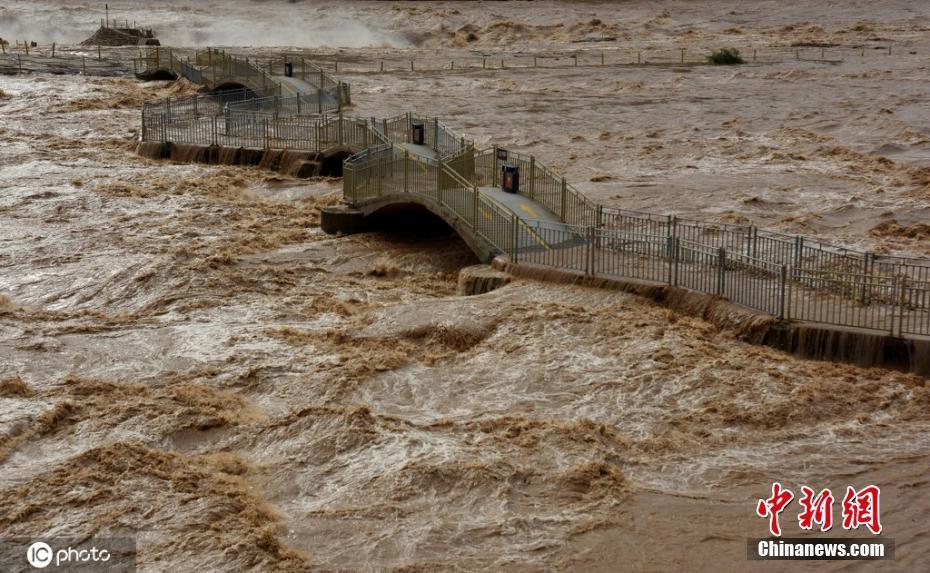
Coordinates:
187 359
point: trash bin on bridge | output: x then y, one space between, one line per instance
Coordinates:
417 133
289 69
510 178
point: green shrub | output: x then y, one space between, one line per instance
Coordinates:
725 57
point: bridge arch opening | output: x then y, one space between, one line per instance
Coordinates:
224 92
410 220
414 224
158 76
331 161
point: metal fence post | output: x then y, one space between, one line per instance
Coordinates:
721 269
532 176
901 304
782 292
894 302
564 198
798 251
515 237
474 212
589 258
866 272
439 181
214 130
494 169
406 171
339 134
380 175
672 259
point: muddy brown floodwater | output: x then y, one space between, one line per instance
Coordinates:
187 359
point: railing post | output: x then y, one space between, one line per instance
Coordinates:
380 175
867 274
532 177
406 171
474 212
901 304
515 237
564 199
670 250
439 181
894 302
782 293
589 259
798 251
436 134
409 137
339 129
143 122
721 269
495 169
214 130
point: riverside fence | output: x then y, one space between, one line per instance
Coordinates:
608 56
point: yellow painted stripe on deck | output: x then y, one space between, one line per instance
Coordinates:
529 210
529 230
535 237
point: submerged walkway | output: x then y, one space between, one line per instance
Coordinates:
548 222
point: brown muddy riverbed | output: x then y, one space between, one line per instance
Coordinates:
186 358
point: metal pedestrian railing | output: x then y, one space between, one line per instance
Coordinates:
264 93
790 277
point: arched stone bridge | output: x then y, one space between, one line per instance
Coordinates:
410 167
